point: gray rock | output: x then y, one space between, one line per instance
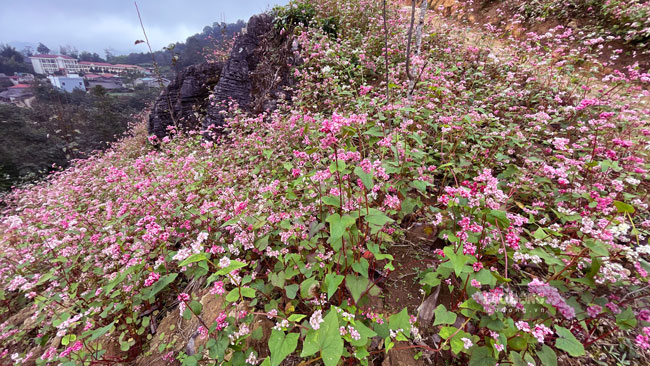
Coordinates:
255 77
186 95
235 84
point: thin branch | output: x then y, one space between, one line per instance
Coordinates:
408 44
386 48
155 66
420 28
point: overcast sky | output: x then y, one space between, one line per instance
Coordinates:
94 25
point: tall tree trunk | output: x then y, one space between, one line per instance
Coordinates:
408 43
420 28
418 43
386 48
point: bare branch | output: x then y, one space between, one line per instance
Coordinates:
386 48
408 44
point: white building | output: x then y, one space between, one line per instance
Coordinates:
68 83
95 67
49 64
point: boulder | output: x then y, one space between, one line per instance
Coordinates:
255 78
186 95
235 84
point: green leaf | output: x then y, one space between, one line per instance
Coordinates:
233 295
356 285
233 266
568 342
365 333
99 332
597 247
366 178
516 359
291 291
498 217
248 292
331 343
67 339
159 285
332 201
400 321
623 207
361 267
482 356
262 242
332 282
305 286
197 257
338 225
311 345
547 356
540 234
442 316
379 219
420 185
626 319
460 262
296 317
281 345
196 307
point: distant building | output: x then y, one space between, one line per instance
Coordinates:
25 78
22 78
68 83
49 64
107 83
105 67
17 94
151 82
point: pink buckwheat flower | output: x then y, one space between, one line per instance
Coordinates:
217 288
153 278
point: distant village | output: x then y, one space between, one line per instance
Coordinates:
67 74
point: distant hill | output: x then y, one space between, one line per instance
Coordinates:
193 51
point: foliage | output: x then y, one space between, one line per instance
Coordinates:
532 179
42 49
213 39
626 20
60 127
11 61
302 15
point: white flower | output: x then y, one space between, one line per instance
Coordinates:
252 359
467 343
224 262
281 325
316 319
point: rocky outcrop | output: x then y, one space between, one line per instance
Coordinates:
255 77
182 101
235 83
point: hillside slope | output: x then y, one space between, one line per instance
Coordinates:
475 211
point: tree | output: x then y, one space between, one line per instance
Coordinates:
87 56
110 54
11 61
69 50
10 52
42 49
28 51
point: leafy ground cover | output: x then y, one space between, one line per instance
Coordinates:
615 32
510 189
